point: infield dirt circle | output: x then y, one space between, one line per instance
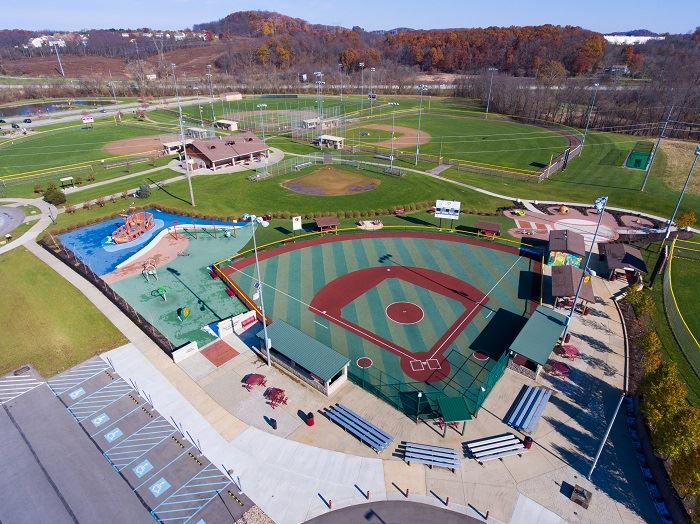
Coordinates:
134 146
331 181
403 136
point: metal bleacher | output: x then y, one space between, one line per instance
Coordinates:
528 408
430 455
492 448
360 428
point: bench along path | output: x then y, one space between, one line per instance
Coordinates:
429 455
528 408
360 428
492 448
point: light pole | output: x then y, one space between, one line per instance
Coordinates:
599 204
393 115
182 138
652 156
488 99
211 95
680 197
362 87
340 69
588 118
262 126
421 88
605 437
253 221
371 87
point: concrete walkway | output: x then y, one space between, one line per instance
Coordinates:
47 211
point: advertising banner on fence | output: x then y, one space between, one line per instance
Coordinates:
447 209
296 223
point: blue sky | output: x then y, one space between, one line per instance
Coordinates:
674 16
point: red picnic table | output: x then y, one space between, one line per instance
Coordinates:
569 351
276 396
254 379
560 369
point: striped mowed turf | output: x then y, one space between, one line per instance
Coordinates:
293 275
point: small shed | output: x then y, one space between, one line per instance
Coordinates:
621 257
536 340
328 223
306 358
228 125
565 280
331 141
310 123
566 248
489 229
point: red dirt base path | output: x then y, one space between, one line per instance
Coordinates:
424 366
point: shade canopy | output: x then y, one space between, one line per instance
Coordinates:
622 256
565 280
566 241
539 335
454 409
312 355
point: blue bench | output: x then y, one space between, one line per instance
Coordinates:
492 448
528 408
360 428
430 455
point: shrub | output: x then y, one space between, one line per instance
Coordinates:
100 202
679 433
663 393
113 199
144 191
641 301
54 196
70 209
78 180
91 177
38 188
686 219
125 194
87 205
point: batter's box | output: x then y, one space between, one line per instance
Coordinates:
417 365
433 363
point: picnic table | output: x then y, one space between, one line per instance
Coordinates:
276 396
569 351
560 369
254 379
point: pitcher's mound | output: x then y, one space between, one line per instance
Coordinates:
331 181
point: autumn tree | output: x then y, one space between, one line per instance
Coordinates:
686 219
663 393
678 434
685 473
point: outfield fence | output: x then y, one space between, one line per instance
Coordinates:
684 252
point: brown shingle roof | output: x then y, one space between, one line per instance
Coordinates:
232 146
565 280
329 221
567 241
485 225
621 256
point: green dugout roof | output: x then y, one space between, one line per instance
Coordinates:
454 409
539 335
306 351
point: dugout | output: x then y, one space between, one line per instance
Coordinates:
331 141
329 223
488 229
566 248
306 358
536 341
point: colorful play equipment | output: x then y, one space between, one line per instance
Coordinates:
149 270
183 313
134 226
161 292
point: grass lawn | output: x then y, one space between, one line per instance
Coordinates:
64 147
597 172
118 186
71 328
686 276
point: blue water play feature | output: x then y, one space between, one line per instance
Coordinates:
95 248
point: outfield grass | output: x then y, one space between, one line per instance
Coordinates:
686 276
597 172
71 329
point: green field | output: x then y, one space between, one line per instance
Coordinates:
71 329
686 275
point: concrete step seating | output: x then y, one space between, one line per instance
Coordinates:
492 448
429 455
527 409
360 428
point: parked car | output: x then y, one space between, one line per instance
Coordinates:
15 126
27 120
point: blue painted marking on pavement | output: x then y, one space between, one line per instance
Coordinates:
159 487
100 419
77 393
142 468
113 435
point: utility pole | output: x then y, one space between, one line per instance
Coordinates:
111 85
421 88
488 99
182 138
362 87
588 118
371 92
60 65
340 68
211 95
680 197
655 148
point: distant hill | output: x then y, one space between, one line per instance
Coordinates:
634 32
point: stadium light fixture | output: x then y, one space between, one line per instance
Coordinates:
262 126
588 118
182 138
362 87
254 222
393 115
422 88
371 90
599 204
488 99
680 197
211 94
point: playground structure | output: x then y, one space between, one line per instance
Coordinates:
149 270
134 226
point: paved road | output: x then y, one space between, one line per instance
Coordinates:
10 218
393 512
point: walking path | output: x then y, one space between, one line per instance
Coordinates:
77 189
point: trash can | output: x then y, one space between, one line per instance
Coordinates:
527 443
567 338
310 419
273 423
